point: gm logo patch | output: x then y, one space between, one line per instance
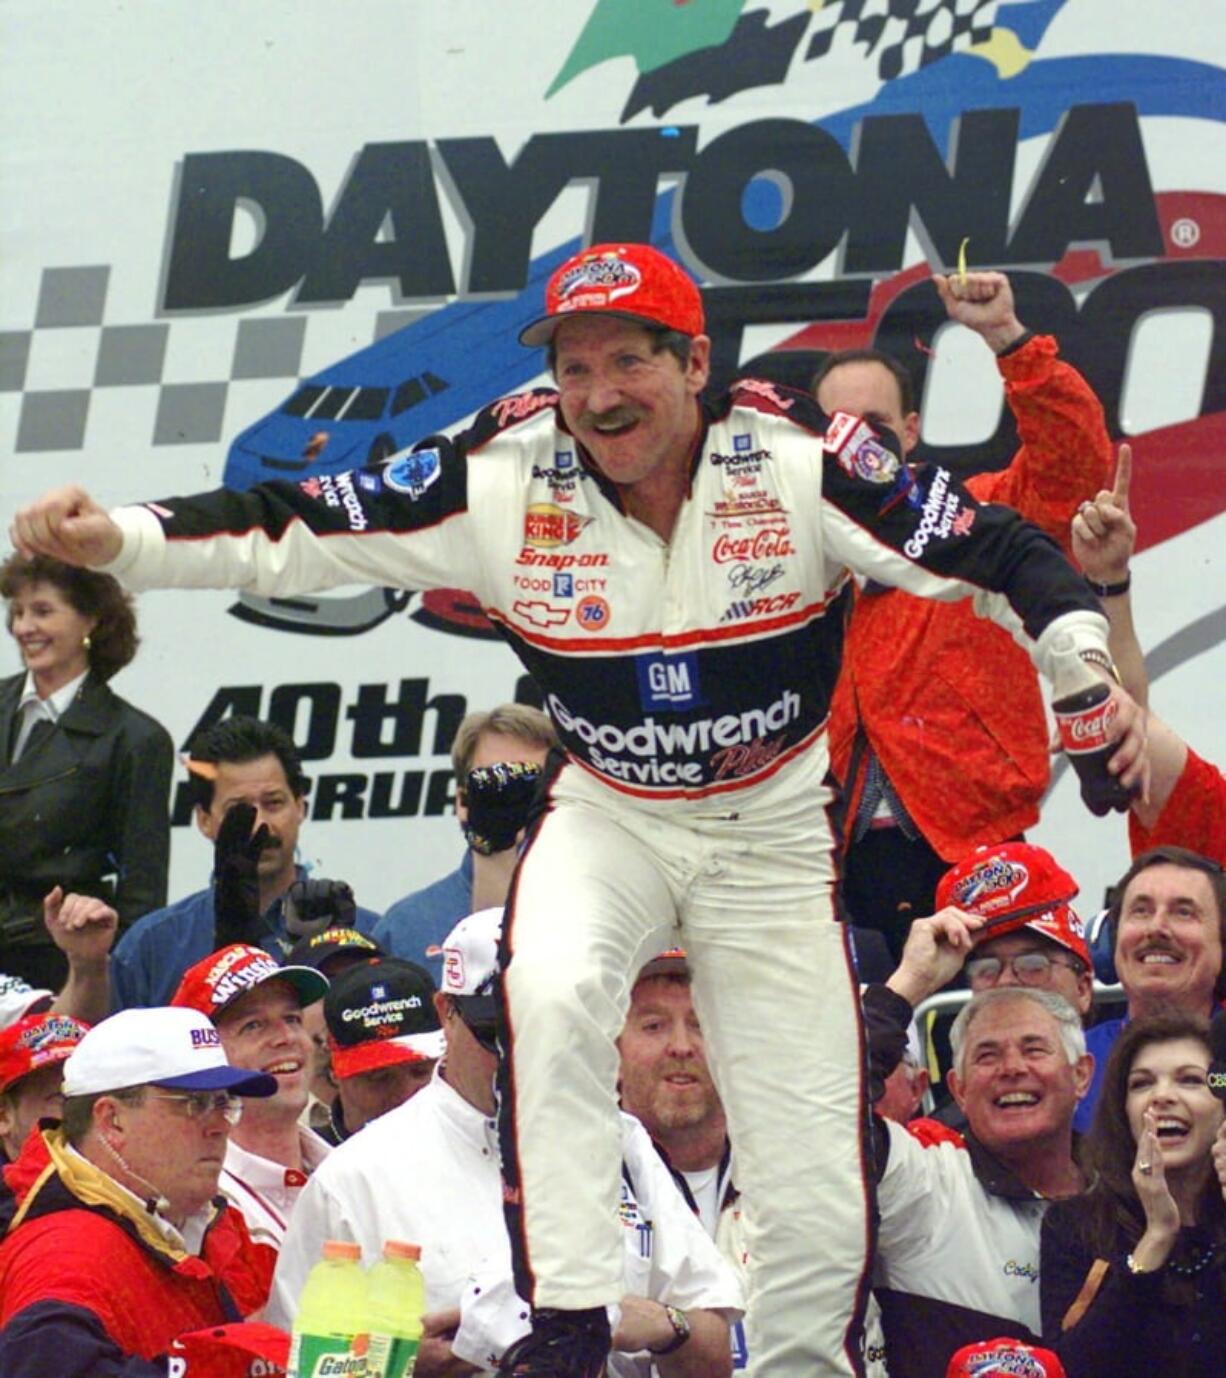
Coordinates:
563 585
668 682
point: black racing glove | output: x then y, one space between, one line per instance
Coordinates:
499 799
236 881
313 905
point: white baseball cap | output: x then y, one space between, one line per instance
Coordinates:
470 961
176 1048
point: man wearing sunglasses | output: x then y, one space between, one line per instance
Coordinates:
115 1240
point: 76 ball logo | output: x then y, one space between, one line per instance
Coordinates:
592 614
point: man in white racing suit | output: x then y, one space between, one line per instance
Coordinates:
674 572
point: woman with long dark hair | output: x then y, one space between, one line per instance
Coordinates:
1133 1273
84 776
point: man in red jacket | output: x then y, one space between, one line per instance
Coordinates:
115 1242
937 729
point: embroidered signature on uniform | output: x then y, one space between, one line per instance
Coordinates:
751 579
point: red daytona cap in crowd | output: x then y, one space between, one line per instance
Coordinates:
37 1041
221 977
1004 1358
1016 885
632 281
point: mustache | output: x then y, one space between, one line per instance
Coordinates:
615 416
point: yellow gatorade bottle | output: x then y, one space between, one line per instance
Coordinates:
327 1339
395 1304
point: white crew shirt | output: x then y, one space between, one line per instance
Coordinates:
265 1192
428 1173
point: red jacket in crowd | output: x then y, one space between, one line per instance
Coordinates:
91 1288
950 702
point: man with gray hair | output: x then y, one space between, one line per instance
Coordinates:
958 1242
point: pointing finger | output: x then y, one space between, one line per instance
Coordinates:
1123 477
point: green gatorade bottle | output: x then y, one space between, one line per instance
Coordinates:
330 1317
395 1304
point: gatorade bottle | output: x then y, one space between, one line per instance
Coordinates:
395 1304
330 1315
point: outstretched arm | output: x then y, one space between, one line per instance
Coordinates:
68 525
1104 539
1065 453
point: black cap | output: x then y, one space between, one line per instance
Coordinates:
319 948
380 1013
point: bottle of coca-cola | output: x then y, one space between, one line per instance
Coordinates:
1083 715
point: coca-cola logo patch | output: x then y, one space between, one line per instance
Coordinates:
1088 730
770 543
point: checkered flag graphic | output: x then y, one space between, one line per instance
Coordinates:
75 376
903 35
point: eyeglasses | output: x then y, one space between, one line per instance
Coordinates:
195 1105
1029 968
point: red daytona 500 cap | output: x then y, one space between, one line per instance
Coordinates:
632 281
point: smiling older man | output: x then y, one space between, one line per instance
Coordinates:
958 1245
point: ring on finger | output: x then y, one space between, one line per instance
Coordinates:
1146 1168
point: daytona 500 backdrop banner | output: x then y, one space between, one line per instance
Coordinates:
249 241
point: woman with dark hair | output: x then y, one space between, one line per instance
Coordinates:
84 776
1133 1273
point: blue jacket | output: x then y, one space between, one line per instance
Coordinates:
425 918
1100 1039
151 957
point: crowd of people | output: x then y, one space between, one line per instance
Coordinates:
641 1075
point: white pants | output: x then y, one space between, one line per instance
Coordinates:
743 883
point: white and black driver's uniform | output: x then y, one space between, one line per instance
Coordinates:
689 682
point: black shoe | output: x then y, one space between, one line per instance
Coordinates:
563 1344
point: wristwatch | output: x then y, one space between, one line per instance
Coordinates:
1093 656
1111 590
681 1331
